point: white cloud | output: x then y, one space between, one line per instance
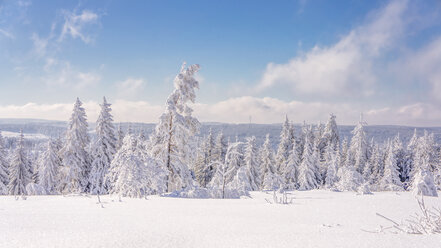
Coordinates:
6 34
74 25
130 87
238 110
422 66
345 68
61 73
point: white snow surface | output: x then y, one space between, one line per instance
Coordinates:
315 219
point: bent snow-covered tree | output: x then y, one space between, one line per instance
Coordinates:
103 150
20 172
134 173
173 139
75 159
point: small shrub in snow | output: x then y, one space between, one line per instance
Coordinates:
428 221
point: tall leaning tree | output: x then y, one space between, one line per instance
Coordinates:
172 142
75 158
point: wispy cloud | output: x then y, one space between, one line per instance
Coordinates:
345 68
6 34
74 25
130 86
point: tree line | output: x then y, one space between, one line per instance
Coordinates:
173 160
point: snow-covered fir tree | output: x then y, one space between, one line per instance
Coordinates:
49 165
285 146
271 180
331 135
220 148
422 177
134 172
234 158
332 160
103 150
291 172
391 177
4 167
307 178
119 137
74 174
173 139
251 163
359 148
20 172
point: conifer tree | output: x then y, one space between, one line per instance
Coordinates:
332 165
173 139
103 150
307 174
270 178
391 178
220 148
49 164
331 136
4 167
75 158
422 177
285 146
359 146
252 166
291 172
20 174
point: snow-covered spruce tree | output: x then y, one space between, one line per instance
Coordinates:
220 148
331 136
74 173
285 146
344 151
119 137
251 163
391 177
423 181
201 169
103 150
234 158
4 168
134 173
173 139
374 168
20 174
332 165
291 172
49 163
271 180
307 171
359 148
205 157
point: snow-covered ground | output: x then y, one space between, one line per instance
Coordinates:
315 219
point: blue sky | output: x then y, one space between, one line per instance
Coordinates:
262 59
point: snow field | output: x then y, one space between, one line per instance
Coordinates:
316 219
